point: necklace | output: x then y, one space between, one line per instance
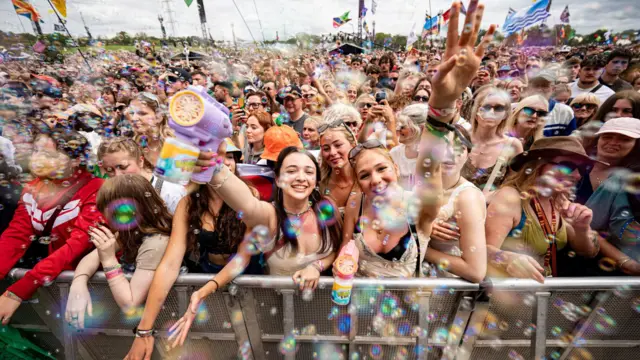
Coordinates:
342 187
298 214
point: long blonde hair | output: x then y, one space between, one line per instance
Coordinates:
586 98
162 130
512 120
477 103
525 179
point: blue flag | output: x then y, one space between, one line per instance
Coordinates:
526 17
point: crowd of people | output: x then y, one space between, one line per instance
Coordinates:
469 161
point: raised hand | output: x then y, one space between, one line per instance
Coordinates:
460 62
180 329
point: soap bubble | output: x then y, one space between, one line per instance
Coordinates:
122 214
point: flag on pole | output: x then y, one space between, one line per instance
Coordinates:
26 9
58 27
188 2
564 17
463 11
363 13
343 19
431 23
412 38
374 5
61 6
526 17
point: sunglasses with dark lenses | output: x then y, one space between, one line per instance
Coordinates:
531 111
578 106
351 124
308 96
366 105
369 144
421 98
495 108
567 167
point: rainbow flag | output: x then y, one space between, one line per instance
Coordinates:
26 9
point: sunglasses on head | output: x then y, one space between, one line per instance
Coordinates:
421 98
324 127
369 144
578 106
531 111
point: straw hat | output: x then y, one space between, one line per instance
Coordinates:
550 147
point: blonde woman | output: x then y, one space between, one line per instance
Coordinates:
405 154
150 124
526 122
492 149
584 108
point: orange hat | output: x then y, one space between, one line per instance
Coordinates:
276 139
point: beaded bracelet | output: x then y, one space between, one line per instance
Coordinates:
113 273
318 265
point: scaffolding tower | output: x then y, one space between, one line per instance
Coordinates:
168 10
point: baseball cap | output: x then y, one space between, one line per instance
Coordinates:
231 147
276 139
292 90
624 126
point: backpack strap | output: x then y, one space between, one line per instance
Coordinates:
595 89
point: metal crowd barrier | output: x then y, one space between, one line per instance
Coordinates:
265 317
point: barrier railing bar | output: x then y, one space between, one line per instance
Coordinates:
539 340
473 329
599 299
197 335
239 328
288 317
558 343
353 330
424 301
32 328
563 284
247 305
308 338
390 341
68 340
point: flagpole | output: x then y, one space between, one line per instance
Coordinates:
68 33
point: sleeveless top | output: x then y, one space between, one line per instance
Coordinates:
282 259
374 265
529 238
447 214
480 176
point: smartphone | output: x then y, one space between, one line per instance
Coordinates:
381 95
241 102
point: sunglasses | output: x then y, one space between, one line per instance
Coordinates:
495 108
568 166
578 106
369 144
421 98
308 96
267 88
531 111
365 105
324 127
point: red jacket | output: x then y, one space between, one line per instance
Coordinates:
70 229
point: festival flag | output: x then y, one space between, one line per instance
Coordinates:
526 17
412 38
365 26
463 11
339 21
188 2
572 34
58 27
430 25
374 5
61 6
387 41
26 9
363 13
564 17
39 47
260 177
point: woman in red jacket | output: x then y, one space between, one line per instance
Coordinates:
53 215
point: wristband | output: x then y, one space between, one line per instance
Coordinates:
111 268
441 113
113 273
215 282
77 276
144 333
318 265
12 296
